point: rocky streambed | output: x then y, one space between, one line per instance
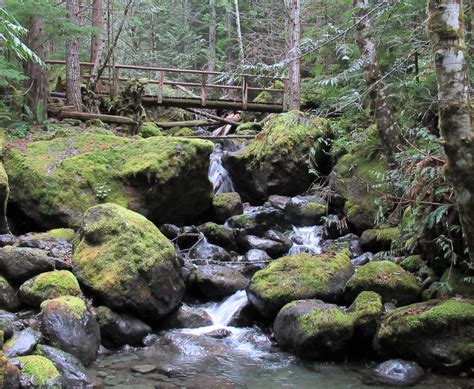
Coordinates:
186 264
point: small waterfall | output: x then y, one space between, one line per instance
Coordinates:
221 313
218 175
306 240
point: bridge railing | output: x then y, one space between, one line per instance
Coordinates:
202 80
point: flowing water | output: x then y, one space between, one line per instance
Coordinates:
306 240
218 174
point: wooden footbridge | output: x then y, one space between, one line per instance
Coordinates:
186 88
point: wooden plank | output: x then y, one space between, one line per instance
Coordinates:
104 118
203 90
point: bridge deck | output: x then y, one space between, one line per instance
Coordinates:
202 88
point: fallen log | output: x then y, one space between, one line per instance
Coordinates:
188 123
214 117
89 116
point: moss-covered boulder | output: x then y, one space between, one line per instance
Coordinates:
38 372
8 296
127 262
55 181
219 235
299 277
413 263
313 329
226 205
353 178
9 373
68 325
387 279
276 162
458 283
366 310
437 334
379 239
48 286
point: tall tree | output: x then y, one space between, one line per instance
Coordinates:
294 37
446 33
212 35
383 112
239 31
38 82
73 71
97 42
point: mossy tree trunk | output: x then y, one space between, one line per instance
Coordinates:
294 35
445 30
382 110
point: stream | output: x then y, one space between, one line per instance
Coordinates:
221 356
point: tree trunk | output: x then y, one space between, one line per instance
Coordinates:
38 88
73 70
445 30
294 70
228 28
212 36
97 42
383 112
239 31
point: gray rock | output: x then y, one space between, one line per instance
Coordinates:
170 231
206 250
398 372
255 255
362 259
257 220
186 317
271 247
219 235
220 333
19 264
216 281
8 296
143 369
22 343
226 205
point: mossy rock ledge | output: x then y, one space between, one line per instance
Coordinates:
438 334
126 261
55 181
299 277
38 372
313 329
276 161
386 278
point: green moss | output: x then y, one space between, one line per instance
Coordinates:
124 244
149 129
248 128
454 278
319 320
54 284
185 132
103 315
63 177
95 123
314 208
301 275
226 200
62 234
383 272
428 317
73 305
413 263
41 369
264 97
290 134
366 307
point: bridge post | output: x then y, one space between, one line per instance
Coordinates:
115 86
160 88
203 90
245 93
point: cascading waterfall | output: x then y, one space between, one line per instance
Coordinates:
218 174
221 313
306 240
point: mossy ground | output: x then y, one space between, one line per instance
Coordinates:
75 306
67 175
117 244
299 275
149 129
40 368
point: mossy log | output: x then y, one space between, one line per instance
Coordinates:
89 116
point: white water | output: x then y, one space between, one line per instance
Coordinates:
306 240
221 313
218 174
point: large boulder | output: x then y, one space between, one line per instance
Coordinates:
127 262
353 179
48 286
216 281
186 317
299 277
438 334
367 311
313 329
67 324
386 278
397 372
19 264
276 162
380 239
226 205
55 181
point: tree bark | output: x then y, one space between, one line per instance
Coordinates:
228 29
294 70
73 69
38 87
97 42
382 110
445 30
239 31
212 36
